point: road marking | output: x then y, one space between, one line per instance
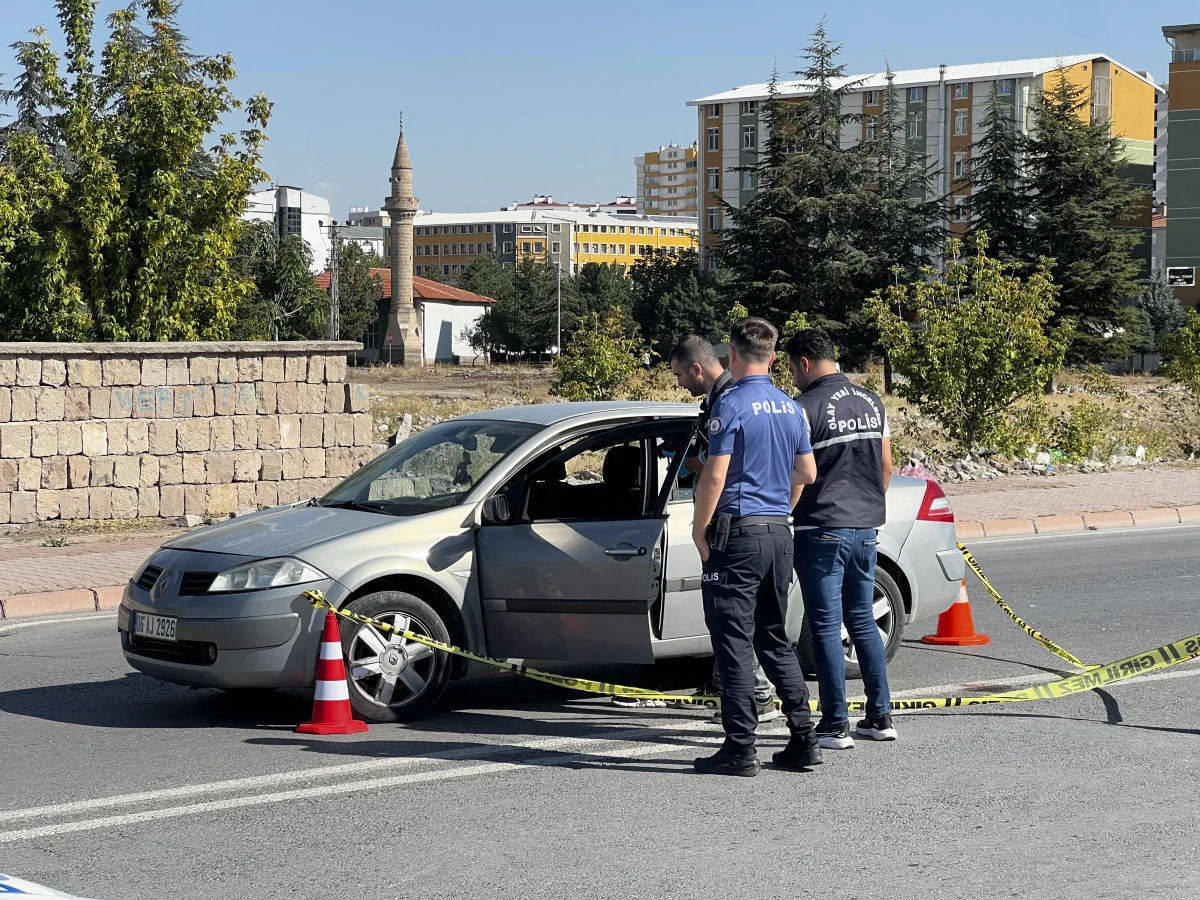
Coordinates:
581 748
5 626
1070 535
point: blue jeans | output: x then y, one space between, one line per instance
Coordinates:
836 568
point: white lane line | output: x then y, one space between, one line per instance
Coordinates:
275 779
583 748
6 626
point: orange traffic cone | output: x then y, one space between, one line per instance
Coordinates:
955 626
331 707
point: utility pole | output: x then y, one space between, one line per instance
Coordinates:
558 343
334 303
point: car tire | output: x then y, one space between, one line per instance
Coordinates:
885 588
415 686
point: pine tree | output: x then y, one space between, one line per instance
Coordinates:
999 203
797 246
1078 194
1163 310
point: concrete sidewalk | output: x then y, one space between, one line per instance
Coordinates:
90 574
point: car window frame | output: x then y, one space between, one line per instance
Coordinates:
514 486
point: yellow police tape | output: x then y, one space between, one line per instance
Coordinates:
1032 632
1139 664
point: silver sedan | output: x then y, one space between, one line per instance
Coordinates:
554 532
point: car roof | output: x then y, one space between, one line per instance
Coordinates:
553 413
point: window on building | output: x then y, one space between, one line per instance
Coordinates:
1004 87
712 264
916 95
960 166
489 228
916 126
445 270
491 248
747 107
555 247
960 209
749 137
539 247
526 229
508 228
577 245
621 249
714 110
557 226
714 179
961 91
960 121
747 181
871 98
508 247
870 127
641 230
289 220
714 218
525 246
620 229
714 139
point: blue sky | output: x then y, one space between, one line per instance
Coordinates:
503 100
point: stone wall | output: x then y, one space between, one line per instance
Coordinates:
149 430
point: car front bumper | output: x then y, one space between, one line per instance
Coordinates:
256 639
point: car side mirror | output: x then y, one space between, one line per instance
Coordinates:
496 510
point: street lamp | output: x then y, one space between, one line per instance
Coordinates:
558 267
335 312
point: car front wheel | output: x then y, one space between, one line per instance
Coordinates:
392 678
889 619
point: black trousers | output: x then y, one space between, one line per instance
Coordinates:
745 590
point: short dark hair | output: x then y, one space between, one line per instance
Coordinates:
813 344
754 338
693 349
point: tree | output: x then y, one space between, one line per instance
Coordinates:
486 275
672 298
1183 351
982 345
134 222
1079 196
602 362
601 288
796 245
1000 202
1164 313
359 290
285 303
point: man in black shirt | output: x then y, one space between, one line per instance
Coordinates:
836 534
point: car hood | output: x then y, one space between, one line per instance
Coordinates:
277 532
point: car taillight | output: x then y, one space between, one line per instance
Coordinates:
935 507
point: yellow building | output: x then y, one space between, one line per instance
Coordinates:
668 183
944 108
445 243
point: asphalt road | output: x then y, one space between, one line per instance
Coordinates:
116 787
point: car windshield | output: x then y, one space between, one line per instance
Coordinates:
433 469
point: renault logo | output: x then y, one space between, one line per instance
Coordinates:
160 585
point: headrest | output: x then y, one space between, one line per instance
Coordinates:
553 471
622 465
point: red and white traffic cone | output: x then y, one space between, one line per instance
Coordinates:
331 706
955 626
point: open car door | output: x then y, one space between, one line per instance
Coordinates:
572 570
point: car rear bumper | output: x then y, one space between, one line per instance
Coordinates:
931 549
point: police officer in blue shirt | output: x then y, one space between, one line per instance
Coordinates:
759 459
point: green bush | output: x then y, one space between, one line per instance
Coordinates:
1183 352
601 362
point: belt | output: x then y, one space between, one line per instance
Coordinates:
746 521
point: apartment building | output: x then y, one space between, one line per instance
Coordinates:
944 108
667 181
293 210
1182 152
445 243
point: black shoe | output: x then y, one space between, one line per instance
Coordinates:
725 762
834 737
880 729
801 753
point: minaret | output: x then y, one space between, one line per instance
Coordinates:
402 208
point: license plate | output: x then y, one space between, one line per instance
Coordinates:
158 627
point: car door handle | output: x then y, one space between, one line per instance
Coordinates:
625 551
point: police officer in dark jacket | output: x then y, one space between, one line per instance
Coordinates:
758 459
837 522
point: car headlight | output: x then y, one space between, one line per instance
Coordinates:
266 573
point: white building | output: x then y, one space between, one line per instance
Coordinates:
370 237
294 211
365 215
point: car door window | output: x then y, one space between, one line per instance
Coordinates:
597 478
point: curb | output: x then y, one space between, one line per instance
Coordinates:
1142 518
19 606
